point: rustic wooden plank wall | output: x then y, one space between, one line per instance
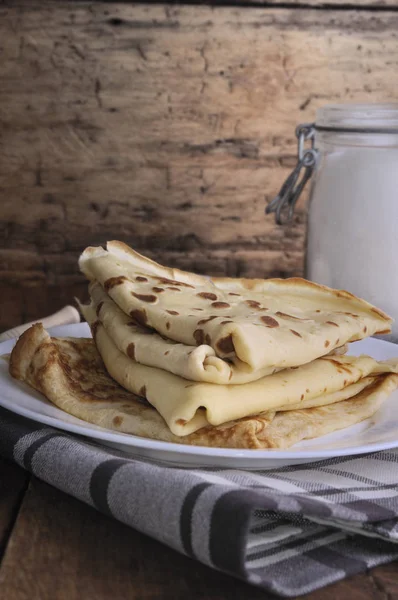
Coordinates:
166 126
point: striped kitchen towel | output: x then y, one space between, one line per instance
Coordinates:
289 530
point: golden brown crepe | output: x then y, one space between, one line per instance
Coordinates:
288 428
258 325
188 406
71 374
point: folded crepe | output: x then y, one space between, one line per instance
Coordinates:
71 374
254 326
146 346
187 406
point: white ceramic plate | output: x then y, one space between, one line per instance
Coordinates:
378 433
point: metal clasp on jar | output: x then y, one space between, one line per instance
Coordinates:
285 201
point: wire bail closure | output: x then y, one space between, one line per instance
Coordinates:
291 190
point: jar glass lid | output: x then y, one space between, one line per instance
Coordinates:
358 116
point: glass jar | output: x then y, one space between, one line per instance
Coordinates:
352 239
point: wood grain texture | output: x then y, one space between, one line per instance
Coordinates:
70 552
376 5
385 579
13 482
26 302
166 126
142 120
330 4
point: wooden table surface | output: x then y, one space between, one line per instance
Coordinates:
54 547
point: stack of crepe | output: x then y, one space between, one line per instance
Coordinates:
216 361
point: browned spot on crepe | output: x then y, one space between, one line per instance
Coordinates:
139 315
158 290
332 323
233 294
181 422
142 391
269 321
174 289
168 325
112 281
207 295
98 309
307 390
226 322
365 329
220 304
203 321
332 360
140 278
201 309
296 333
253 304
302 397
172 312
327 343
167 352
150 298
131 350
345 382
208 339
199 336
226 344
117 421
